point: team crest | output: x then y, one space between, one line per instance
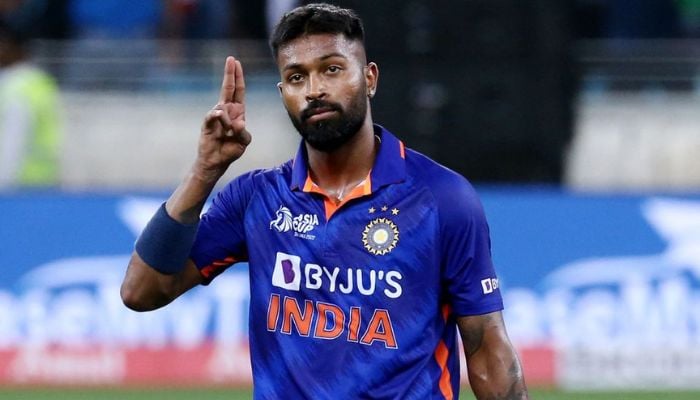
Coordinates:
380 236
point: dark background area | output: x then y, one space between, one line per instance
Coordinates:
484 86
487 87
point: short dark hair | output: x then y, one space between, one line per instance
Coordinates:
316 18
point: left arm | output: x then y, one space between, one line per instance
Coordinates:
493 366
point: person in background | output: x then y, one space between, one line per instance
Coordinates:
689 11
29 116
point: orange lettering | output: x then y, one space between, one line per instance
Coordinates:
380 328
293 313
330 321
273 312
354 324
322 330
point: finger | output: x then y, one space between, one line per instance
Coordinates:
239 83
243 137
215 116
228 84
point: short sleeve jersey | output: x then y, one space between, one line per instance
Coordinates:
355 300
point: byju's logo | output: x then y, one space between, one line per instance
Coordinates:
488 285
287 272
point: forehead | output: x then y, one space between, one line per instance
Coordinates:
309 48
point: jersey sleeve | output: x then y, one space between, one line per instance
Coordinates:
468 274
220 240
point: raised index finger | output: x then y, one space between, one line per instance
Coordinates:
228 85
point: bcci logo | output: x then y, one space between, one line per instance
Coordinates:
380 236
302 224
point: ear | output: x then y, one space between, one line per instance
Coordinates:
371 78
279 87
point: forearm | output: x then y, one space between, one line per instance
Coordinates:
493 366
186 203
496 376
145 289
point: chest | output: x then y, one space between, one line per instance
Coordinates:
382 243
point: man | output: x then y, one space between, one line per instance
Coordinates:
29 120
364 255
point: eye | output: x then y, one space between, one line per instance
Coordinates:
334 69
294 78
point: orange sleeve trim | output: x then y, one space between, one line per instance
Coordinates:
402 149
441 356
446 311
212 269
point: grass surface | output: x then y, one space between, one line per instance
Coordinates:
237 394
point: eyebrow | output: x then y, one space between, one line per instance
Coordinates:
322 58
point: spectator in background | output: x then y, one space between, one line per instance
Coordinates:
115 19
275 9
642 19
29 123
38 18
197 19
217 19
690 17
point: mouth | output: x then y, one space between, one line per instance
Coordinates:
320 113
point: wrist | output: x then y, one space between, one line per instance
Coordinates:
187 201
207 174
165 243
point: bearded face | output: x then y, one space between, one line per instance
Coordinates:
325 81
326 126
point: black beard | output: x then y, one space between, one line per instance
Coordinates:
331 134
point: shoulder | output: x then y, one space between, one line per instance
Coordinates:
454 195
27 75
245 186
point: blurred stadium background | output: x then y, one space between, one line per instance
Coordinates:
577 120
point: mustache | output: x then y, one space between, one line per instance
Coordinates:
317 105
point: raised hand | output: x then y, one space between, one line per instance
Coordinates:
224 138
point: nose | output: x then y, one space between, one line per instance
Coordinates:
315 88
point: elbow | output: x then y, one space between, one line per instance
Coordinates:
133 301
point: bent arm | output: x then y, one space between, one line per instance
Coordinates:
493 366
145 289
223 139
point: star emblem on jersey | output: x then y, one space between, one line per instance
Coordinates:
380 236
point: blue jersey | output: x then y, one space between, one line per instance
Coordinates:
355 300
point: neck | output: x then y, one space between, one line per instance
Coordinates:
338 172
